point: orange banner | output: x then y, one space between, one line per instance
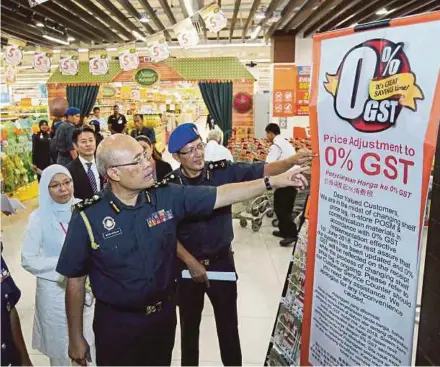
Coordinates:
284 84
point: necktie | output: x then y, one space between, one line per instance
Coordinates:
92 178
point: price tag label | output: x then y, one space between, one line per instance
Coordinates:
98 66
13 55
42 62
129 60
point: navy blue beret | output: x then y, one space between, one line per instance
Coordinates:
182 135
72 111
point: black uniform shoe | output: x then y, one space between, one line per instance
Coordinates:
277 234
288 241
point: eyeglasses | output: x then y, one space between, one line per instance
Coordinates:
57 186
147 155
200 147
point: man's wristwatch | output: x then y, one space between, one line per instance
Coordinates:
267 183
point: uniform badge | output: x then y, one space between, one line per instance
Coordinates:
108 223
159 217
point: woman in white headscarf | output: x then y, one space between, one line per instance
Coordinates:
44 240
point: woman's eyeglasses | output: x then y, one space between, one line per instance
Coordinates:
147 155
57 186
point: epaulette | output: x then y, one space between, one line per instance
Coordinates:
218 164
86 203
164 182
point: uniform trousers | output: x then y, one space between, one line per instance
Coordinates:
223 297
134 339
284 201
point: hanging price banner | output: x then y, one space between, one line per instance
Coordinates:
302 91
14 52
98 62
374 114
158 47
214 18
11 74
186 33
128 57
42 60
69 62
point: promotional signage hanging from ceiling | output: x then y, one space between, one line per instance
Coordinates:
186 33
146 77
14 52
128 57
302 92
375 110
98 62
214 18
42 60
69 62
158 47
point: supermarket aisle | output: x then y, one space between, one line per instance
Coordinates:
261 265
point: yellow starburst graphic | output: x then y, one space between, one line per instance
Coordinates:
332 83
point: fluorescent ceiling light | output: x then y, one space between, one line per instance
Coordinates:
39 24
57 40
382 11
260 16
144 18
189 7
138 36
70 39
256 32
112 49
83 50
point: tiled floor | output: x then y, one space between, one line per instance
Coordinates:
261 264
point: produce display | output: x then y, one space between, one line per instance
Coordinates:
16 144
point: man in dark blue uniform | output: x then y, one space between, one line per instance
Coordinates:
125 240
14 352
205 244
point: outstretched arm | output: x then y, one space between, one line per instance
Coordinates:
303 157
236 192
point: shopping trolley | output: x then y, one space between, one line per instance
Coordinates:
254 211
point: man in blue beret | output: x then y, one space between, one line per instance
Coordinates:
205 243
64 143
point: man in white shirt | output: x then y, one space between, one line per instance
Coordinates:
214 151
284 199
86 179
97 117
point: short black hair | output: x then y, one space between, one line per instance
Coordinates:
96 109
145 139
78 132
115 106
273 128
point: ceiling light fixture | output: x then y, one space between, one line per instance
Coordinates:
138 36
110 49
83 50
70 39
382 11
57 40
189 7
39 24
256 32
144 18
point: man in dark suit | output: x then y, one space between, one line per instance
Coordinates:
86 179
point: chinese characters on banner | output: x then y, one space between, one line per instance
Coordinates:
302 91
284 79
374 112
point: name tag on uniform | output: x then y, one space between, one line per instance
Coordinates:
159 217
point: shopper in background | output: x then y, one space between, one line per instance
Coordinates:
97 117
214 151
161 168
117 123
206 243
45 235
41 157
284 199
86 179
53 142
140 129
95 125
134 283
210 122
65 149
